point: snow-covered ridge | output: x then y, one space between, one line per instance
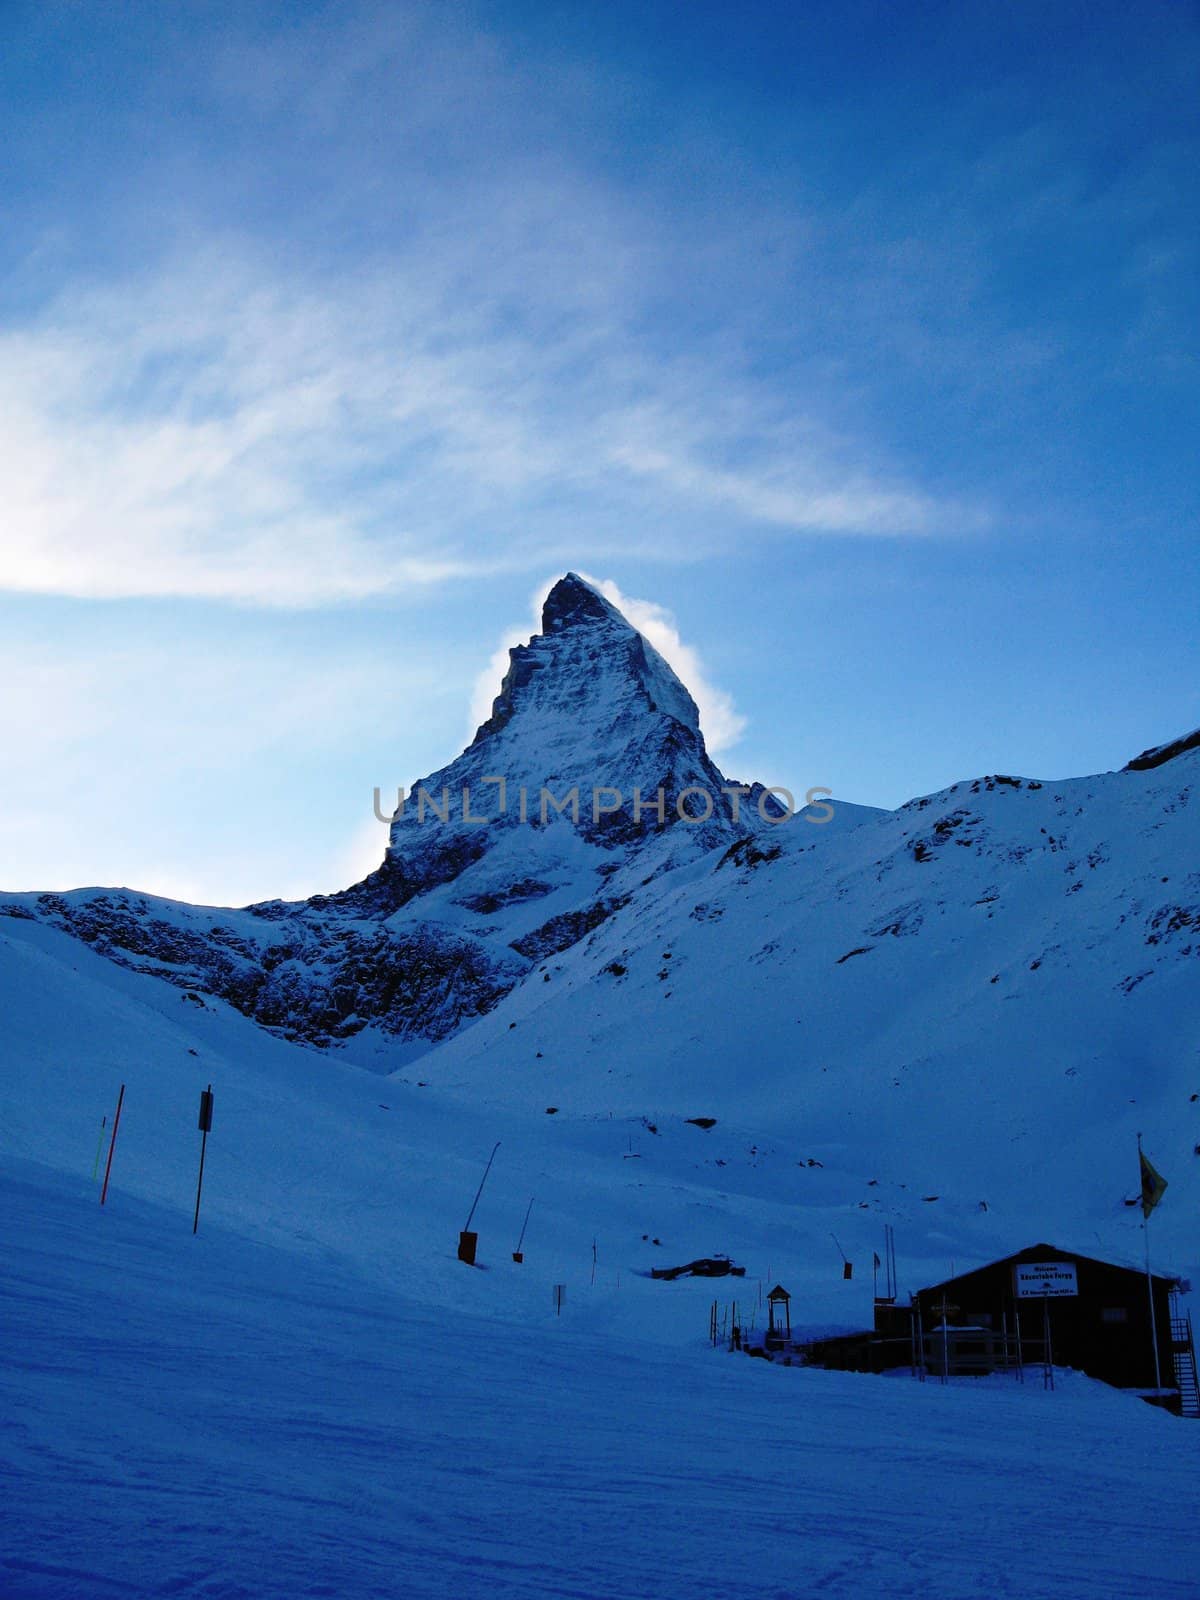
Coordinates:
481 877
1058 918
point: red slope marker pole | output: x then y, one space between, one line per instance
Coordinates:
112 1144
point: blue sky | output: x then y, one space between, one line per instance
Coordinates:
862 339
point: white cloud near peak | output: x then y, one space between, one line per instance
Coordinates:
720 721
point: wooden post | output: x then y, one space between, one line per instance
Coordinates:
112 1144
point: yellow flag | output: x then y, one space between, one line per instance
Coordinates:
1153 1186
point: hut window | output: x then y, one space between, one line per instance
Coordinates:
1114 1314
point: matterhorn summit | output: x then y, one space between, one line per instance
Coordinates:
586 859
589 779
592 755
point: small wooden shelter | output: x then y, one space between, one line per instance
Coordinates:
779 1318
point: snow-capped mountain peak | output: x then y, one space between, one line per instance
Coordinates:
572 600
588 660
591 743
589 778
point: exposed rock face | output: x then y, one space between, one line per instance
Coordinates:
590 725
1158 755
525 844
586 705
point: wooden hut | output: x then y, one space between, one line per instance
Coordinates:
1096 1314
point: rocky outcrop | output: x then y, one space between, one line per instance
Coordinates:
1158 755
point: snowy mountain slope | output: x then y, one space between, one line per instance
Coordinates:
226 1417
312 1396
982 996
380 1173
484 872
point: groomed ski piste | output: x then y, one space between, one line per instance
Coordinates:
313 1397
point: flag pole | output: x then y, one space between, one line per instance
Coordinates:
1149 1276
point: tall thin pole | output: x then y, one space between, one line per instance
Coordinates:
479 1191
1149 1277
203 1148
112 1144
524 1225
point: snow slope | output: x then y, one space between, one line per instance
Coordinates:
955 1017
982 997
312 1397
223 1418
761 1040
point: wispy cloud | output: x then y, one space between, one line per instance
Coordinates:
211 433
471 397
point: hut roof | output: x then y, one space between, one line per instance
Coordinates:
1032 1251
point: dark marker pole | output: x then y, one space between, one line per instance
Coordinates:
112 1145
466 1239
518 1254
205 1125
